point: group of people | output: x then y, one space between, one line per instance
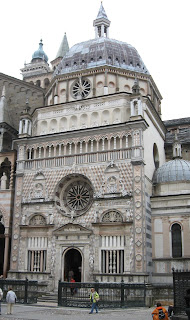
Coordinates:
10 299
161 312
158 313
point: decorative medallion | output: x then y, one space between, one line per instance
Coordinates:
138 230
138 257
137 179
137 204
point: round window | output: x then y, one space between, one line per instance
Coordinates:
81 88
74 195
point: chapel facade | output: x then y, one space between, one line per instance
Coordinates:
90 165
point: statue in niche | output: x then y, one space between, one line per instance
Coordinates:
51 218
72 215
116 121
23 222
112 185
38 192
4 181
91 261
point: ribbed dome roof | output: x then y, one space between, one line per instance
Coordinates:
40 54
100 52
174 170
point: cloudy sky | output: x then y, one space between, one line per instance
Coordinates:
159 30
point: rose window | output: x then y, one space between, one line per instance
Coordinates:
77 196
74 195
81 88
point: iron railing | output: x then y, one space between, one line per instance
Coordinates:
26 291
181 284
112 295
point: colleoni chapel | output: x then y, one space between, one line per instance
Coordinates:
92 180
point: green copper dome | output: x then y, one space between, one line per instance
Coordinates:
40 54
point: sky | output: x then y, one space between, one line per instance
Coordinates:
159 30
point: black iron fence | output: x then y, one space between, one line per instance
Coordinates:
112 295
26 291
181 283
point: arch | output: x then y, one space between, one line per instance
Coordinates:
5 170
116 115
43 126
63 126
127 88
73 123
38 83
176 240
53 126
156 156
105 117
72 258
112 216
46 82
37 220
95 119
7 142
83 121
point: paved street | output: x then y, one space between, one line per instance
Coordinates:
22 312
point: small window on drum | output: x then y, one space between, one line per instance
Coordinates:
176 240
156 156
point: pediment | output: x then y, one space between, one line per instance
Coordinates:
112 167
72 228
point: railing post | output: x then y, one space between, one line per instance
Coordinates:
59 293
144 293
26 291
96 285
122 294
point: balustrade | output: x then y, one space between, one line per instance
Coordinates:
69 160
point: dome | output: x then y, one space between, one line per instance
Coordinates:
40 54
174 170
100 52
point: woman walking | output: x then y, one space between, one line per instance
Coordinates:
11 299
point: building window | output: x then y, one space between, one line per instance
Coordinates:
176 241
37 260
112 261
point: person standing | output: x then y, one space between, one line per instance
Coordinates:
94 298
160 313
72 287
1 297
11 299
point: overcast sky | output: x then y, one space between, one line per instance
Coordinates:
159 30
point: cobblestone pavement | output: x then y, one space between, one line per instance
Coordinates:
23 312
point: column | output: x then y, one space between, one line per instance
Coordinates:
132 109
59 149
67 91
11 176
26 126
30 128
6 254
20 127
91 146
102 30
94 85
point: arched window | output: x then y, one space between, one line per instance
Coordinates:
176 241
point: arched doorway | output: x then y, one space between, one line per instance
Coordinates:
72 262
2 245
